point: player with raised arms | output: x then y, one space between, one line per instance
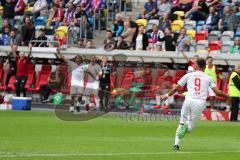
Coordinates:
198 84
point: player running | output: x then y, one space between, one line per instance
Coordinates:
198 84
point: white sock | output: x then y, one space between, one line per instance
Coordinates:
177 140
71 109
158 99
97 101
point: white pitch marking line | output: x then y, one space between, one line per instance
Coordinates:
6 154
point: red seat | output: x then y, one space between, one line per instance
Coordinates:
113 79
31 79
145 79
175 79
224 89
180 73
11 83
46 67
42 79
201 35
161 72
162 81
214 45
126 82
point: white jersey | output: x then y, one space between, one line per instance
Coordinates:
78 75
198 84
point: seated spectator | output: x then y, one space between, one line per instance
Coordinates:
6 24
40 7
121 44
109 37
169 40
164 22
41 37
109 42
8 10
164 8
183 41
6 36
183 5
69 15
56 15
141 39
128 34
81 43
90 45
79 13
20 7
27 31
198 12
227 21
55 82
150 9
156 34
211 22
235 49
117 27
133 26
14 37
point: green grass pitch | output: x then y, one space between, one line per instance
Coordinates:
42 136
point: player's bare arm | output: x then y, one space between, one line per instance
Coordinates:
171 92
221 94
185 56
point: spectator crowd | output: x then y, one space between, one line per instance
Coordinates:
155 27
22 21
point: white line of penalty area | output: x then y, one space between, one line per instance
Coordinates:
8 154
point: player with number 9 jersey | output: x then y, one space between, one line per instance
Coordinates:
198 84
